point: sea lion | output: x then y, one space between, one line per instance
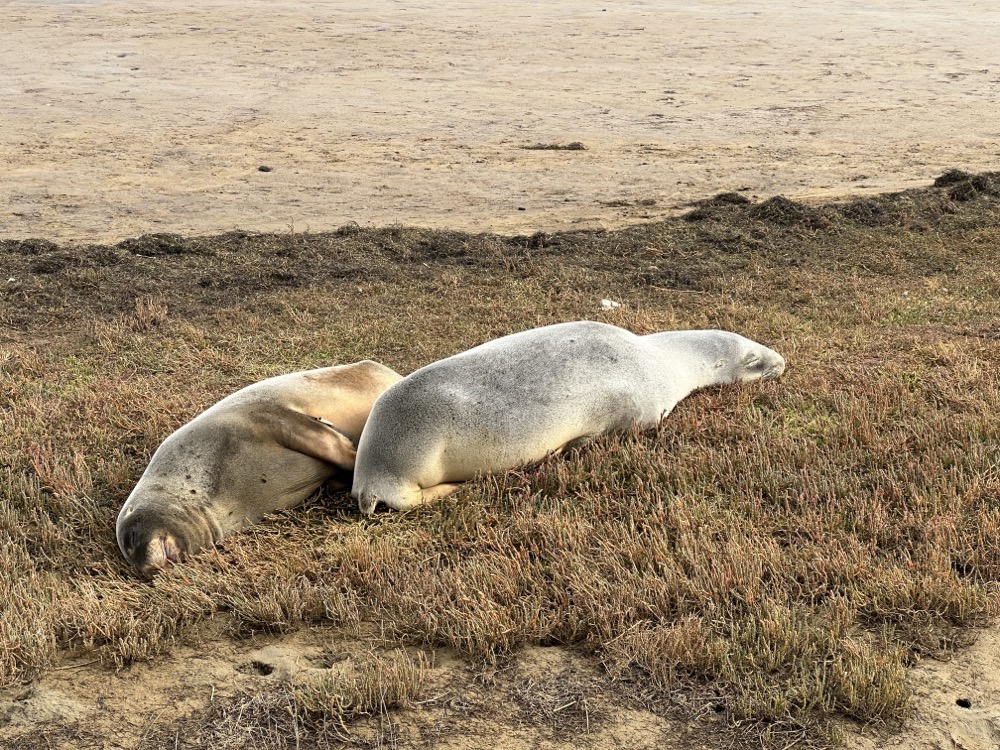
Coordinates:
512 401
266 447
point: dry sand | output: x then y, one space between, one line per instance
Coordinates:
165 704
80 704
956 703
121 118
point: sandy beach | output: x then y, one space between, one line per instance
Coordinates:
122 118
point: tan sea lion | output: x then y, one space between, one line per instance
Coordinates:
512 401
266 447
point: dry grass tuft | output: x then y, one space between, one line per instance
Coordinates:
315 711
379 682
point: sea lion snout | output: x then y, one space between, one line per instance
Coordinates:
153 552
152 542
758 362
160 552
776 366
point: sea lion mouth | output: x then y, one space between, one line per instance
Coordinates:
162 551
153 540
776 370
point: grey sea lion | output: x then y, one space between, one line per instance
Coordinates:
265 447
513 400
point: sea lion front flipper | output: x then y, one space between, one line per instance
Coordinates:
314 437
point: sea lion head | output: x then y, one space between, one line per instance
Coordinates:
153 538
755 361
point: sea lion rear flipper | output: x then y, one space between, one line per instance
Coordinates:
316 438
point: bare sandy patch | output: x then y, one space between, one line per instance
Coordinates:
955 702
196 696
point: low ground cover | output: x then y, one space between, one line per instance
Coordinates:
778 554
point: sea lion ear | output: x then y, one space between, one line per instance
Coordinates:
315 437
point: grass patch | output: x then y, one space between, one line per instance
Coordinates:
780 552
571 146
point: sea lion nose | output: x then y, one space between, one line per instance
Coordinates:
132 541
171 549
161 551
777 369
